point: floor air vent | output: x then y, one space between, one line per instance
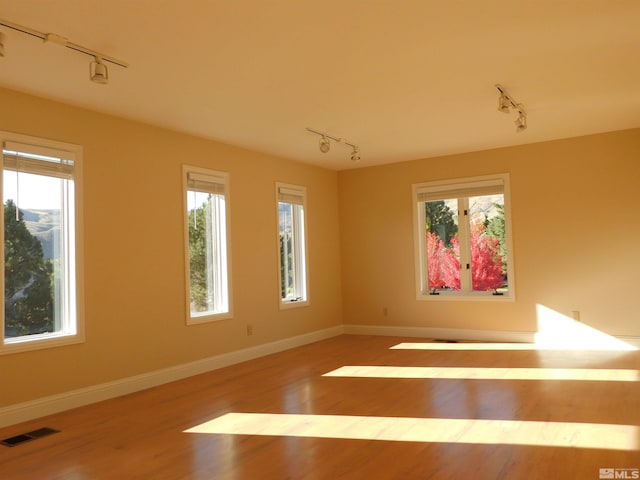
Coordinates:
27 437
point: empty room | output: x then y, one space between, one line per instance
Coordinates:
320 240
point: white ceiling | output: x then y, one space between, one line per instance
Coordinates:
403 79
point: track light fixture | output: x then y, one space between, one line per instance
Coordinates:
325 144
504 104
521 122
98 72
507 104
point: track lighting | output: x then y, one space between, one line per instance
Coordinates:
325 144
98 72
507 104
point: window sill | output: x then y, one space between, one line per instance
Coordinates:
207 318
38 342
285 305
468 297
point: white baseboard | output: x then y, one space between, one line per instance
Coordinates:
633 341
460 334
41 407
441 333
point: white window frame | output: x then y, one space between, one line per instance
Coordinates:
461 189
71 298
297 196
211 181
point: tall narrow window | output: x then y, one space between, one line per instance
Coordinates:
41 301
463 239
292 244
206 200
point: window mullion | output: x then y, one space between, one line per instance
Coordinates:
465 245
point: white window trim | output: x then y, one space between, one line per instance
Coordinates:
196 319
76 332
419 247
300 191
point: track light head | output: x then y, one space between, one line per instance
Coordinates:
98 72
325 145
521 122
355 155
504 105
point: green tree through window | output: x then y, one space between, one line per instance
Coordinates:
198 257
28 284
440 220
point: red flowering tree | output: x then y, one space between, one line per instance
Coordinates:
435 252
443 263
486 263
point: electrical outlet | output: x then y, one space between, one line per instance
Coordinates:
249 330
385 311
575 314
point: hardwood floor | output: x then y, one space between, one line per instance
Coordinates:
481 414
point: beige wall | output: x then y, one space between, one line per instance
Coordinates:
134 256
575 236
575 241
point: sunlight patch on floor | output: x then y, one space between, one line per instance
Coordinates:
474 373
468 431
463 346
544 343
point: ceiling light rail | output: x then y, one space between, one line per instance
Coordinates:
325 144
98 70
507 104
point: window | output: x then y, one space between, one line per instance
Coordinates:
42 302
206 227
463 239
292 244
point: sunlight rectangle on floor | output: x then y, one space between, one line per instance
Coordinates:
443 430
482 373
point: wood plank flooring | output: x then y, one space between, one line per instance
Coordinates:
458 412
